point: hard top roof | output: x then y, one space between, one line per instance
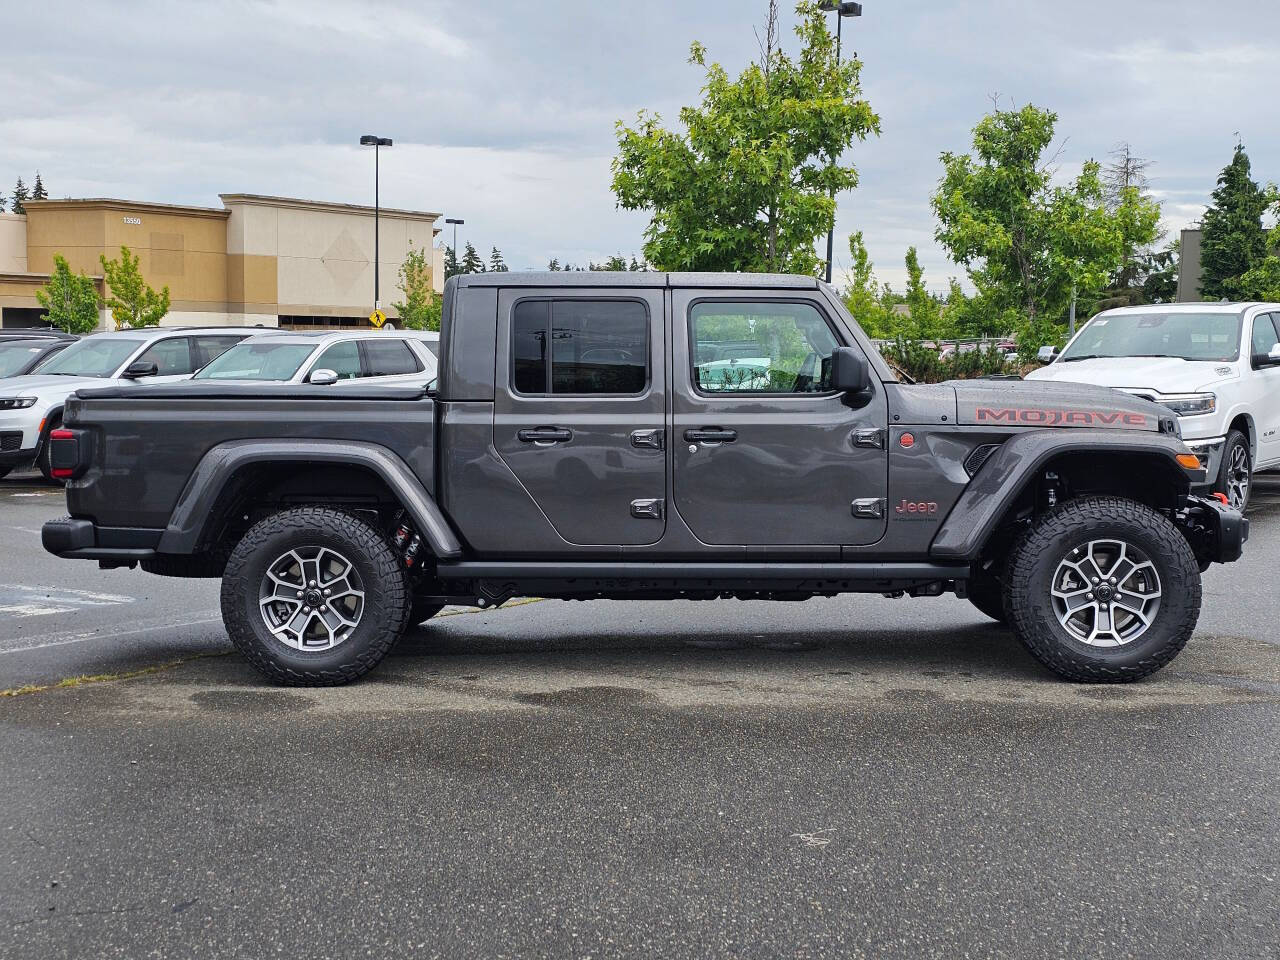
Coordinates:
619 278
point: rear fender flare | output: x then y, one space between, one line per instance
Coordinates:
191 515
1017 463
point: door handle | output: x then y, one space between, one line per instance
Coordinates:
711 435
647 438
545 436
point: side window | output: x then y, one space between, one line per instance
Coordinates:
390 358
343 359
596 347
760 347
208 349
1264 334
171 356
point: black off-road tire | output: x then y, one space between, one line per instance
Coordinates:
5 471
423 610
1222 483
1035 559
386 602
45 452
987 594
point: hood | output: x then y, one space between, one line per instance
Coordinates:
1162 374
48 385
1029 403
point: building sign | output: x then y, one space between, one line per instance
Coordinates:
136 221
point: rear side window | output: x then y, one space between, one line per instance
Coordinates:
390 358
172 357
208 349
580 347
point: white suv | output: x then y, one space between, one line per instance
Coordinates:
31 405
1216 365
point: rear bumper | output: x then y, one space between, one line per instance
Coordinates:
74 539
15 458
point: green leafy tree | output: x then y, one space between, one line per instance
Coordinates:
19 197
38 192
69 300
1262 281
1233 242
451 268
926 311
496 263
471 262
1024 242
1137 214
422 306
133 302
751 180
863 294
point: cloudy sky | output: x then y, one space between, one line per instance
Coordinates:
504 113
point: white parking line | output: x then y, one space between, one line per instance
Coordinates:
18 601
61 640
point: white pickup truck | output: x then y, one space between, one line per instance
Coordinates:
1216 365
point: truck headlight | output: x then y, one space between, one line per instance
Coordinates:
1193 405
16 403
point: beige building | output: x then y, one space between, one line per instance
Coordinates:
255 260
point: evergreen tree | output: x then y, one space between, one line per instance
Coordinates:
496 263
38 192
451 268
471 262
554 265
1234 240
19 196
635 265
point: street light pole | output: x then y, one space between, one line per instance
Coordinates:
842 9
456 224
369 140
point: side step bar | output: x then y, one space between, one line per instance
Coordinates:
693 572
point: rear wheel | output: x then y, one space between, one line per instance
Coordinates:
314 597
43 463
1235 473
1103 590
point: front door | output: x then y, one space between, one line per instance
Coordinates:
580 410
765 453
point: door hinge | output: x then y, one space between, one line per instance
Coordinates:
870 508
871 438
647 438
648 509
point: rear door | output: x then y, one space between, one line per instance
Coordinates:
580 409
765 452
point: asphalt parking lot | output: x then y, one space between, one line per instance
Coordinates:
836 778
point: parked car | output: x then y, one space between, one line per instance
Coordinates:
569 450
20 356
327 358
31 405
28 333
1216 365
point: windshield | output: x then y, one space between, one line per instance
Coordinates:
260 360
1188 336
16 354
91 357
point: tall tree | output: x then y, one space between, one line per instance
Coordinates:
421 307
471 262
38 192
750 182
451 268
1233 241
862 295
19 196
496 263
926 312
1262 280
554 265
133 302
70 300
1128 196
1023 241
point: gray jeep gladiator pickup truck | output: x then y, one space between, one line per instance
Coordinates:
647 435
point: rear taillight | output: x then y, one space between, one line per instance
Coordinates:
64 453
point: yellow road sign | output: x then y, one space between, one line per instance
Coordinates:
377 318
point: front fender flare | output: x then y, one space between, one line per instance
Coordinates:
188 522
1009 470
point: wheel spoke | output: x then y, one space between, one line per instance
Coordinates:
311 598
1105 593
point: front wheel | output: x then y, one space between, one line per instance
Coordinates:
314 597
1103 590
1235 473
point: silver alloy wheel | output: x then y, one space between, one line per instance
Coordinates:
311 598
1106 593
1239 472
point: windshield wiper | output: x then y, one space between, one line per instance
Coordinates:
1083 356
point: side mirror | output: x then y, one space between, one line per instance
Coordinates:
850 372
323 377
1047 353
1271 359
139 369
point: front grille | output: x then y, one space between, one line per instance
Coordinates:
10 442
973 463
